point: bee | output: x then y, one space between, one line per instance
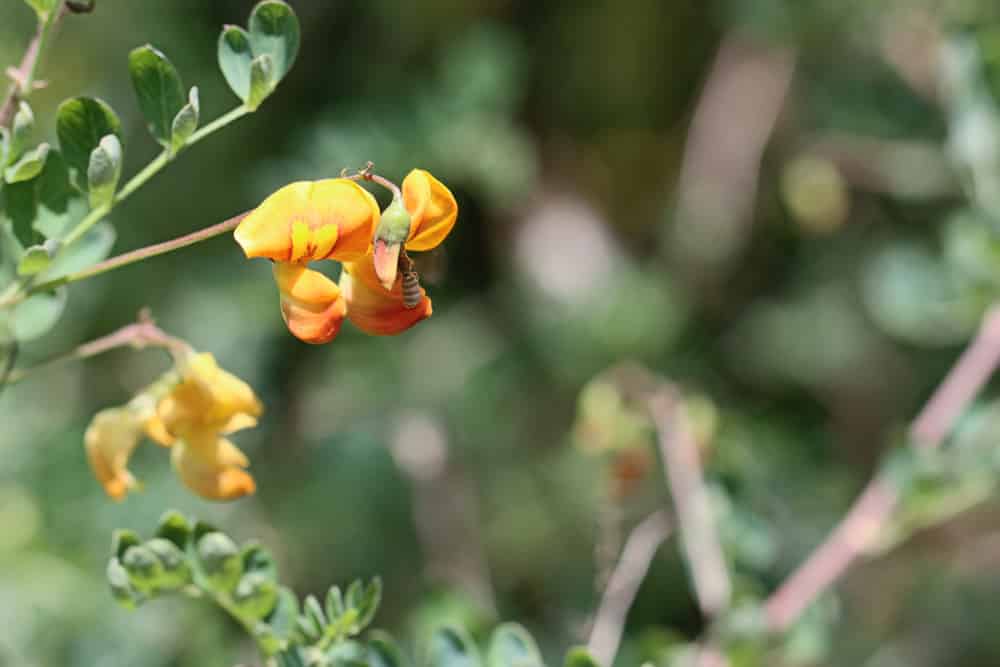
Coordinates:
431 268
412 293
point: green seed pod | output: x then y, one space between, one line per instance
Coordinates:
176 572
145 572
255 595
220 561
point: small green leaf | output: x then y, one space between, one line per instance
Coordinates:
174 527
234 59
220 561
452 647
90 249
285 614
383 651
24 121
37 314
185 122
261 84
29 166
312 609
104 171
176 572
81 123
291 658
579 657
159 89
145 571
122 540
334 603
347 653
255 595
274 31
366 601
512 646
258 559
34 260
118 581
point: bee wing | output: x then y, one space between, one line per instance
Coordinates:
431 265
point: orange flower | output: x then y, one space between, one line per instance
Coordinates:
337 219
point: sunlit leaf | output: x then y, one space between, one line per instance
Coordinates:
29 166
185 122
104 171
274 31
234 59
81 123
159 89
512 646
261 84
34 260
89 249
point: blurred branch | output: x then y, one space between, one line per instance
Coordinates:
641 546
23 76
691 502
140 334
872 509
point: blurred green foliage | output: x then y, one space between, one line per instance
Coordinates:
870 256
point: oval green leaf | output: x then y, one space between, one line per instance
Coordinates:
104 170
234 59
185 122
88 250
159 89
451 647
37 314
34 260
261 84
29 166
81 123
274 31
512 646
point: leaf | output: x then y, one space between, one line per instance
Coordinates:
37 314
34 260
24 121
5 147
42 7
274 31
173 526
81 123
314 613
220 561
118 581
255 596
91 248
55 198
159 89
285 614
29 166
579 657
365 601
121 540
334 603
451 647
512 646
185 122
234 59
104 171
383 651
21 208
259 560
261 84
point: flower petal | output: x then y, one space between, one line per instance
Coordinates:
212 467
110 439
371 307
311 303
311 220
207 398
432 207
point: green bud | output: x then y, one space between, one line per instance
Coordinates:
220 560
394 224
144 569
118 581
122 540
176 572
174 527
255 595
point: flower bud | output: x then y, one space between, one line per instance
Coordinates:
220 560
390 234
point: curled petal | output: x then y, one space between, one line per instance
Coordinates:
110 440
371 307
207 398
311 220
212 467
432 208
311 303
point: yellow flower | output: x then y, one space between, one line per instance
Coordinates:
336 219
189 410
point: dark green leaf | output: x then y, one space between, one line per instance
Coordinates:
104 170
258 559
452 647
29 166
234 59
37 314
185 122
261 84
274 31
34 260
122 540
81 123
159 89
512 646
285 614
20 207
174 527
54 193
579 657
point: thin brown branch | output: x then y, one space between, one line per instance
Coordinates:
692 502
23 76
640 547
138 335
866 518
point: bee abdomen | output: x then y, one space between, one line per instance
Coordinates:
412 294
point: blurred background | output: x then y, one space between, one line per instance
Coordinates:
788 208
